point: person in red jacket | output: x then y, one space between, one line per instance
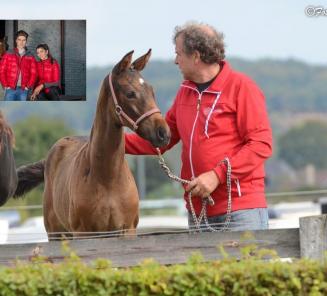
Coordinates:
48 71
220 117
18 70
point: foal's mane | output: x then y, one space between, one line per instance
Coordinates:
104 94
5 129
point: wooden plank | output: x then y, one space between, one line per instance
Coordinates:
164 248
313 237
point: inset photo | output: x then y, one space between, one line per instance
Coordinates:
43 60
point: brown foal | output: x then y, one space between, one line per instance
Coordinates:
88 184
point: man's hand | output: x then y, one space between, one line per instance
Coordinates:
203 185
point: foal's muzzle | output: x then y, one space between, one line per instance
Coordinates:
161 136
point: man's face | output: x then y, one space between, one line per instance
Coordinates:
21 42
185 62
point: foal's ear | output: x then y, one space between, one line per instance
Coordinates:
124 64
141 62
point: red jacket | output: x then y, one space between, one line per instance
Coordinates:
229 120
12 64
48 73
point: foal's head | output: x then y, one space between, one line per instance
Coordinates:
135 97
3 46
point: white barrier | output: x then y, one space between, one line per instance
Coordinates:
4 227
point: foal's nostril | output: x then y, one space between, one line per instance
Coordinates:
161 133
161 136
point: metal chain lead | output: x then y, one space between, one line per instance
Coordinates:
205 201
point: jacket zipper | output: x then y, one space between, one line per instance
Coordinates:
193 128
19 63
195 120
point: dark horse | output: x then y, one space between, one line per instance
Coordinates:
8 176
88 184
3 46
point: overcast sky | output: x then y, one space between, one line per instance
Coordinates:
253 28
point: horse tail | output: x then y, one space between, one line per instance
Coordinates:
29 176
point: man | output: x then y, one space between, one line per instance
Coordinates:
217 113
18 70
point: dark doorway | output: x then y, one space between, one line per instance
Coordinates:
2 29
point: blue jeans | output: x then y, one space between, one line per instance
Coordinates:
17 94
252 219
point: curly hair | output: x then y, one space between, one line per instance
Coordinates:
202 38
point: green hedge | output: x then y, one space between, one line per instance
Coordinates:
248 276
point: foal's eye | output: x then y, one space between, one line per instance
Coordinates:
131 95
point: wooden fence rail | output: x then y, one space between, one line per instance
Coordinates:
310 240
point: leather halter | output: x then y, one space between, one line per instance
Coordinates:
121 113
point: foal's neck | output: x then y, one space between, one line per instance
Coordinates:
107 144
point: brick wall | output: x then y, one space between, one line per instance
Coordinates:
75 58
42 32
9 32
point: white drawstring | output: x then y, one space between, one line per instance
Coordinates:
209 115
237 182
